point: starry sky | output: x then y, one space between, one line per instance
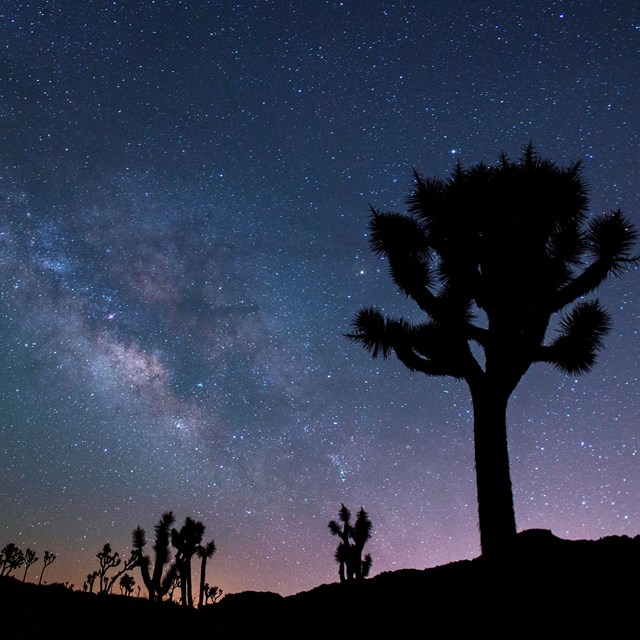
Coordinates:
184 191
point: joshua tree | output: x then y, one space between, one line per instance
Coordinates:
360 534
48 559
91 578
128 565
154 582
108 560
343 557
342 554
12 558
174 583
186 542
348 555
204 552
29 559
126 584
212 593
490 256
111 560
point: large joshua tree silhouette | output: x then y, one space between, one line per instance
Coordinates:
490 256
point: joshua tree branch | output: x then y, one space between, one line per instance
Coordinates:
589 280
415 362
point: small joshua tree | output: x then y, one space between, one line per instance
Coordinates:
212 593
204 552
48 559
174 583
111 560
360 534
91 578
157 585
186 541
29 559
126 584
348 555
108 560
342 531
12 558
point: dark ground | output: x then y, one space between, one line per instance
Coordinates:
545 587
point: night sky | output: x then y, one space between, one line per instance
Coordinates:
184 204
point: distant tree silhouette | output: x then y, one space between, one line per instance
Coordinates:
29 559
156 583
511 244
204 552
342 555
126 584
48 559
175 582
212 593
128 565
12 558
108 560
360 534
91 578
348 555
186 542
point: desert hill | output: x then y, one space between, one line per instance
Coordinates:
543 586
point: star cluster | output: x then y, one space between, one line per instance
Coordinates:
184 189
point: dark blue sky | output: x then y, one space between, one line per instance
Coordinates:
185 191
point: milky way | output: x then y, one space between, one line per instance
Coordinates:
185 191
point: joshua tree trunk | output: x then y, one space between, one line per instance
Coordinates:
357 562
189 586
495 498
146 578
203 573
185 582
